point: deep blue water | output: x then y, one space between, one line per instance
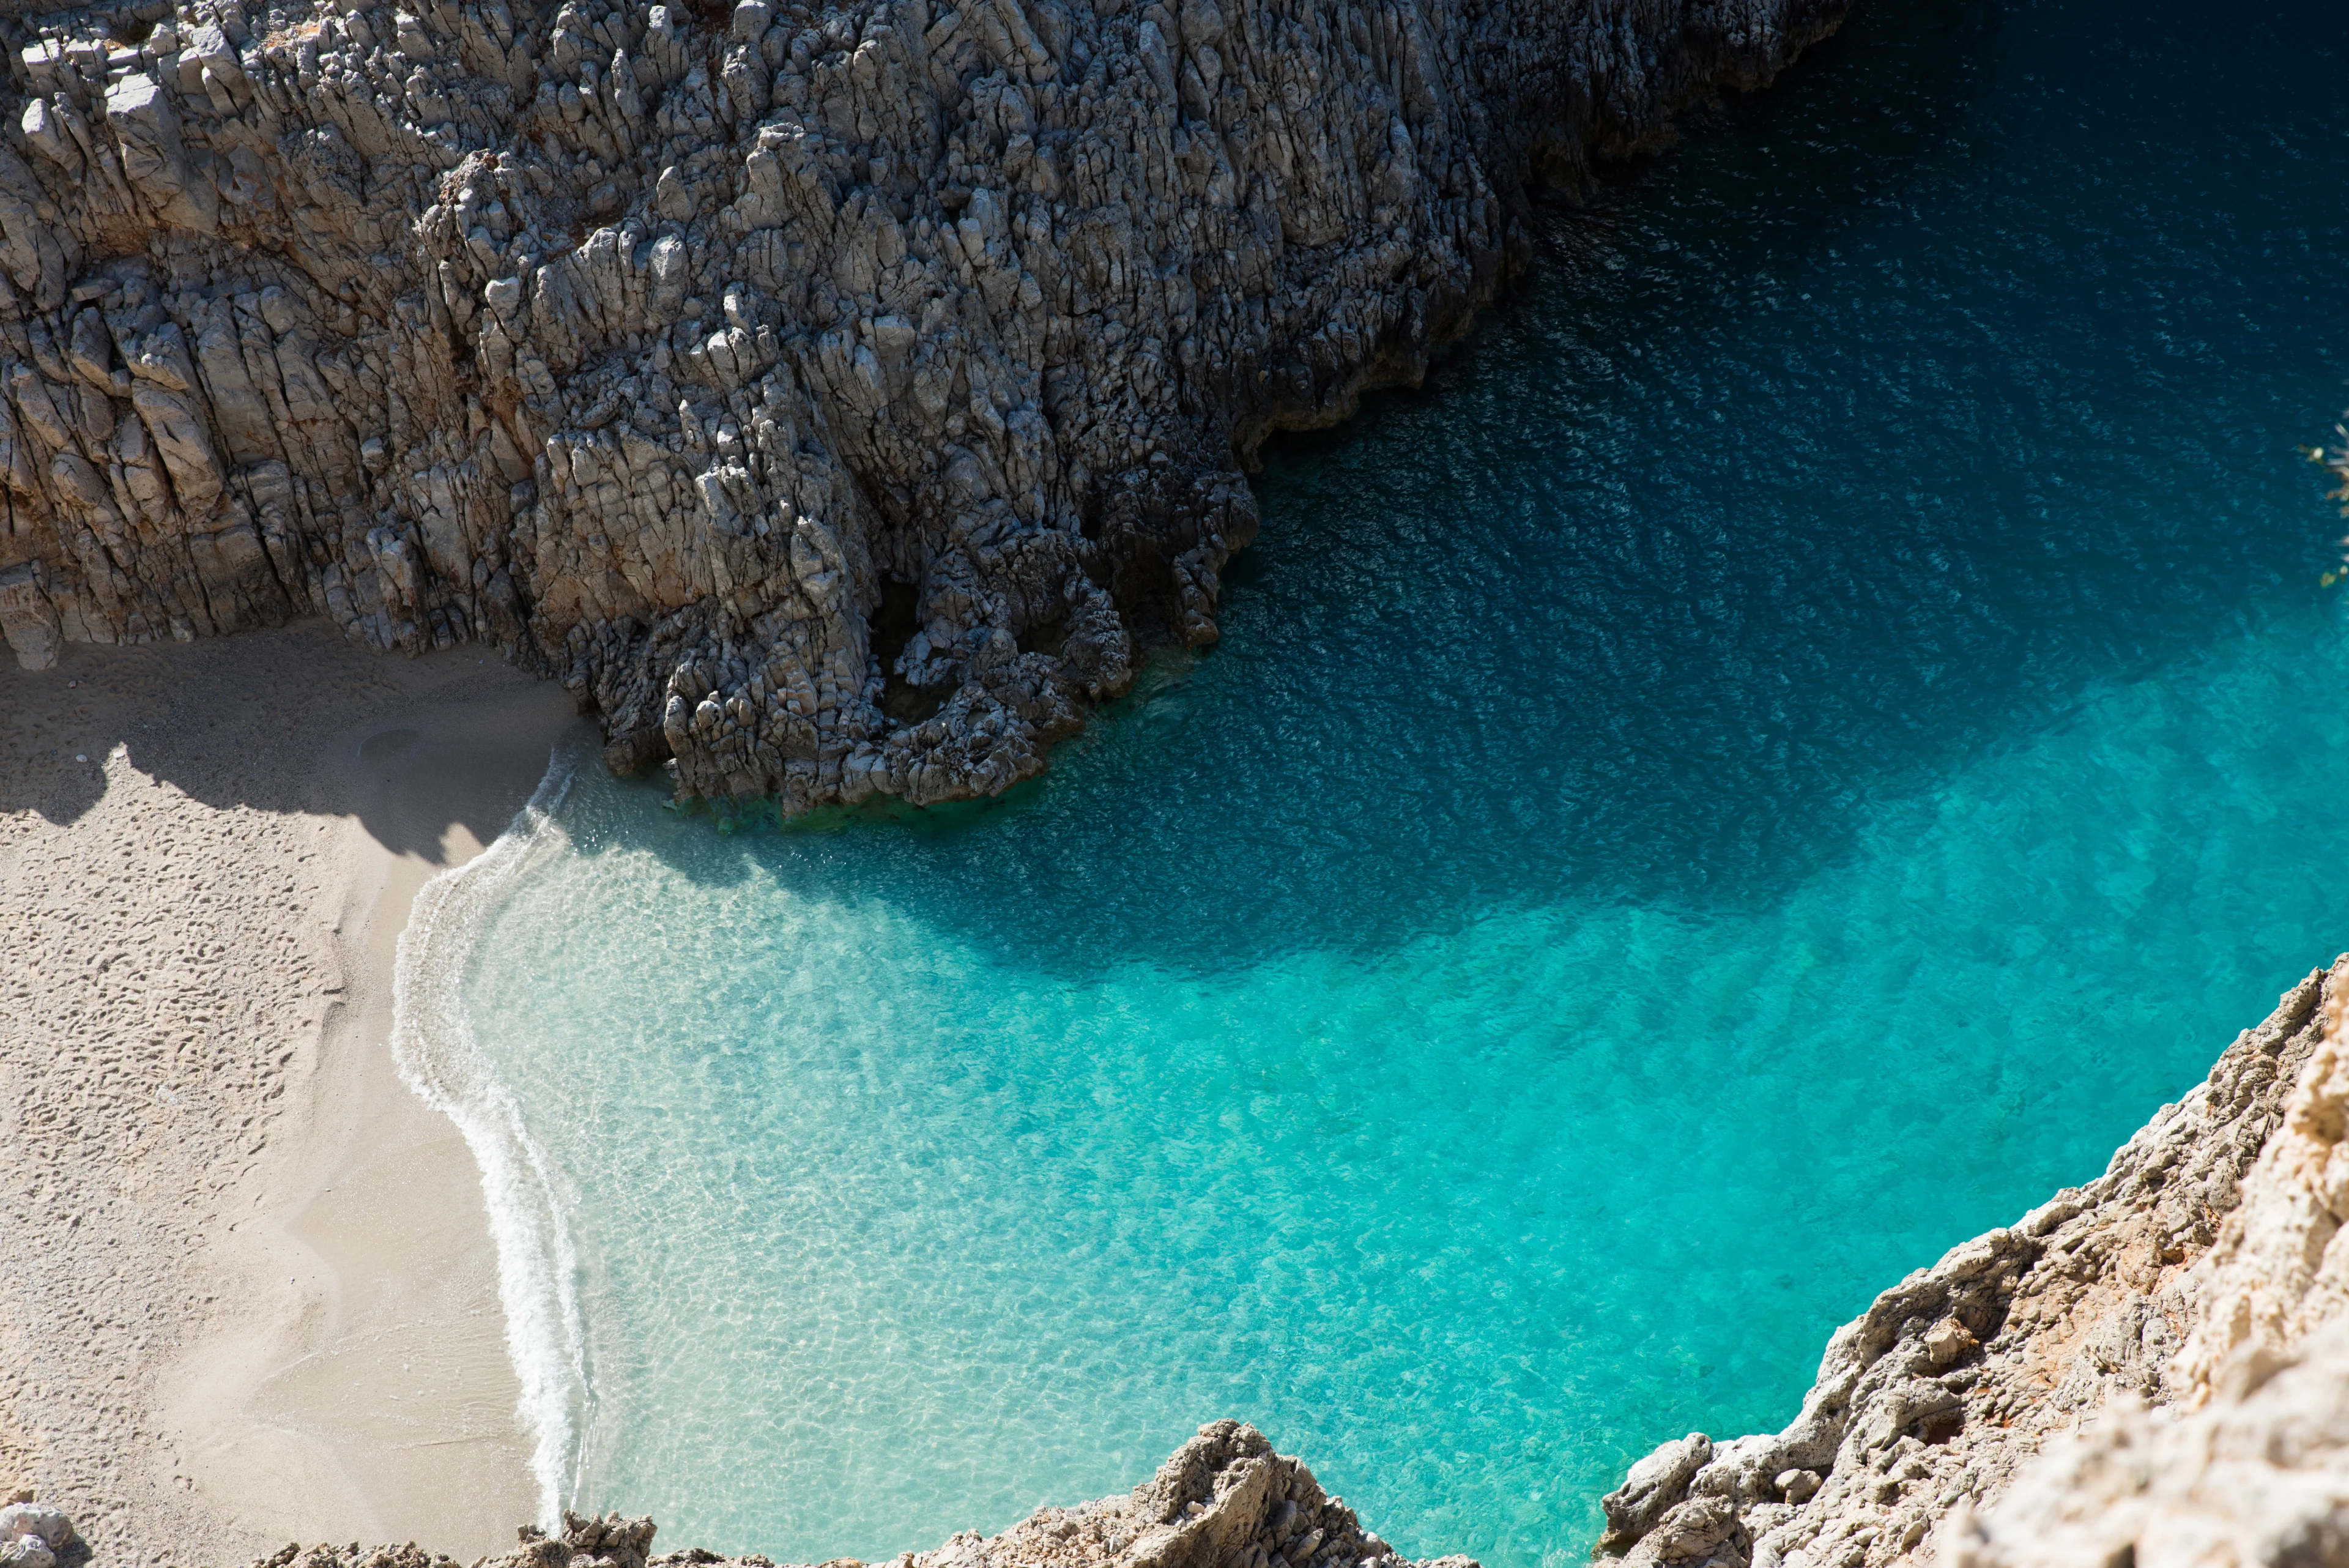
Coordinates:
1811 726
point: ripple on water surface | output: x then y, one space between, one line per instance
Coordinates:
1814 723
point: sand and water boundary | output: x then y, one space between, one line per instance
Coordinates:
248 1290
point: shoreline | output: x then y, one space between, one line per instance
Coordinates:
436 1058
301 1335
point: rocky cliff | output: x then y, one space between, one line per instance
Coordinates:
2153 1367
1224 1500
836 400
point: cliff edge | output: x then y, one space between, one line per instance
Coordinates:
835 398
2153 1367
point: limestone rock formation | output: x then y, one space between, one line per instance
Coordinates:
1224 1500
2259 1478
2251 1464
835 397
2192 1276
34 1535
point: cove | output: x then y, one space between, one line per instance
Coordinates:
1812 725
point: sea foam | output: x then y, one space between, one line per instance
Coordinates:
434 1048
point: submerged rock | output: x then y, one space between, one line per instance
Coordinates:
836 397
1224 1500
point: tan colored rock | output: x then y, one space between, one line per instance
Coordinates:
2248 1462
2279 1271
2258 1477
1224 1500
2210 1234
25 1517
1949 1342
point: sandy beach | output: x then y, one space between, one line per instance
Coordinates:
247 1293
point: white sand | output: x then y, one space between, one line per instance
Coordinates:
246 1289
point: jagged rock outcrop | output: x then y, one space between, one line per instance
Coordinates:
834 397
2186 1279
2249 1466
1224 1500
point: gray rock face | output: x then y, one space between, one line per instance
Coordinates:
2187 1276
1656 1485
1224 1500
835 399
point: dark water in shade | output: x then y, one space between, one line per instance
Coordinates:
1810 728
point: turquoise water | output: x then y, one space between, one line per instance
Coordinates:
1812 726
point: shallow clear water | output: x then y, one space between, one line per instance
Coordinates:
1809 729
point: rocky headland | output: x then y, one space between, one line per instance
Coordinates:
2150 1368
836 400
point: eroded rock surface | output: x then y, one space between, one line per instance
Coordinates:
2191 1277
33 1535
2250 1465
2258 1477
1224 1500
835 398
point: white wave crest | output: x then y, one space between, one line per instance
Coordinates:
433 1045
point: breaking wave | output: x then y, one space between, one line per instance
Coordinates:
433 1046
